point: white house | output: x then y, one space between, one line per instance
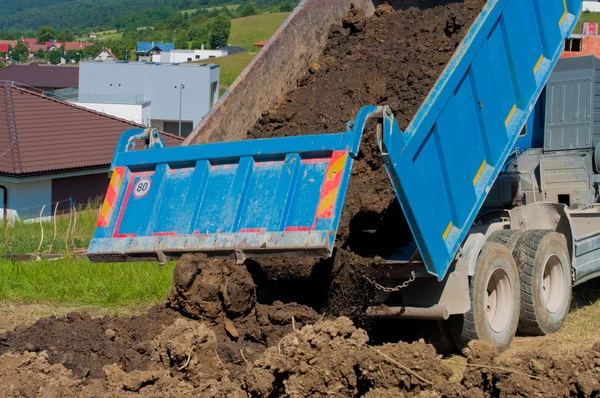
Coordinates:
105 55
181 56
148 93
593 6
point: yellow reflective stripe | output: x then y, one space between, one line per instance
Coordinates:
327 201
105 209
539 63
562 19
336 167
510 115
479 172
447 232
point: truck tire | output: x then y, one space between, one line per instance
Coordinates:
506 237
495 296
545 273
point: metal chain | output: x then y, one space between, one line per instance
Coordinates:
397 288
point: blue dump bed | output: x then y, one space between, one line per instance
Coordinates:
281 196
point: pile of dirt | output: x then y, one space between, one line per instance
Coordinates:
85 344
329 358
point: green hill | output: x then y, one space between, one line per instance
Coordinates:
249 30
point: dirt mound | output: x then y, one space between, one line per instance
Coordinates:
329 358
84 345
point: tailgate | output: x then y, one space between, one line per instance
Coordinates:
257 197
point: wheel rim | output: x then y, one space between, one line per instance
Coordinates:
498 301
553 286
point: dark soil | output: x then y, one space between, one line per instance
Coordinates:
84 345
393 58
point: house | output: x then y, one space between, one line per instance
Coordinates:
52 45
4 48
181 56
151 94
261 44
42 77
579 46
76 46
29 41
150 51
93 35
10 43
593 6
61 157
105 54
35 48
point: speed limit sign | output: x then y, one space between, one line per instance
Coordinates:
142 187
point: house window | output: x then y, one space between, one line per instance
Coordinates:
197 57
573 44
189 59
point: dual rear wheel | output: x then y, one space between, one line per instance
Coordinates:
522 282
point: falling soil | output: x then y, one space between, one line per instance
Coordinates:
392 58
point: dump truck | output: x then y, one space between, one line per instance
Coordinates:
497 176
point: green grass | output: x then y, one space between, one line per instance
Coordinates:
24 238
209 9
587 17
78 282
249 30
75 281
231 67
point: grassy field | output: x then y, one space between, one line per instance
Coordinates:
231 67
209 9
70 281
78 282
249 30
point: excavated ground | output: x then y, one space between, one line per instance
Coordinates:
223 333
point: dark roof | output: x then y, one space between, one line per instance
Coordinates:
40 134
233 50
147 46
42 76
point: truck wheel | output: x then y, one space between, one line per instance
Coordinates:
506 237
495 296
545 272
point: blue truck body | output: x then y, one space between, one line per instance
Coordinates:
285 195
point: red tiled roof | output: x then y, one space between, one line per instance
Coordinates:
40 134
3 48
11 43
75 45
261 43
34 48
42 76
29 41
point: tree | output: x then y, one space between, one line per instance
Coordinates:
92 51
20 52
41 54
181 42
67 35
287 7
54 57
74 55
245 10
46 33
221 28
